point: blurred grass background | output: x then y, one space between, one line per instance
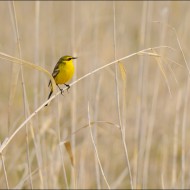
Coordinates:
155 122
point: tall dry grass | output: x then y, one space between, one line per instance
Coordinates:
124 123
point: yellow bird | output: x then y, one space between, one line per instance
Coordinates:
62 73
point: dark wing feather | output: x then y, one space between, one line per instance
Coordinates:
55 72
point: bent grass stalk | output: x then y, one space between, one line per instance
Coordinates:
95 149
12 59
122 129
25 101
16 60
178 41
4 170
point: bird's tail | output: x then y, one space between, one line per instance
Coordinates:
49 96
50 91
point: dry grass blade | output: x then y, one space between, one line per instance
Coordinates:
178 41
123 71
14 80
149 53
160 64
121 59
15 60
91 123
96 151
4 170
69 151
178 64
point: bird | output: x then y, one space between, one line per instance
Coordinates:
62 73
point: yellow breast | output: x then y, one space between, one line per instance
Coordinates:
66 71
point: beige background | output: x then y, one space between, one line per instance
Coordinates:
154 97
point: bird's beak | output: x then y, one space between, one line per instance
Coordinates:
74 57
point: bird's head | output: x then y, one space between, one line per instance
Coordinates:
67 58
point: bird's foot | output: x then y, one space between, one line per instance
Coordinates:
68 86
62 91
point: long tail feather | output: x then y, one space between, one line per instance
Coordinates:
49 96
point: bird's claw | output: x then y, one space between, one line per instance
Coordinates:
62 91
68 86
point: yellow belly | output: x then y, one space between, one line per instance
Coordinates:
65 74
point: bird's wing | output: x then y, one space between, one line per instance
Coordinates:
55 72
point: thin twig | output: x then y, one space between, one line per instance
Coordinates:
95 149
122 131
25 102
178 41
4 170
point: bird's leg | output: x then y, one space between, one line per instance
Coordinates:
60 89
68 86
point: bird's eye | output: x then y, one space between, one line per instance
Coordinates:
69 59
